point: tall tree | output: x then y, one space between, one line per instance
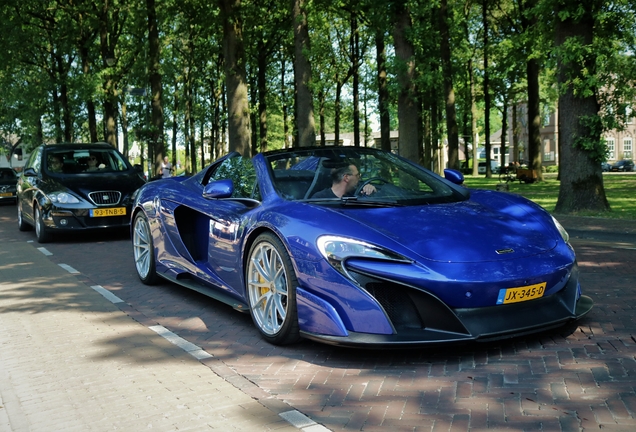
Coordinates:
530 25
579 131
305 122
154 72
235 78
449 91
383 92
408 128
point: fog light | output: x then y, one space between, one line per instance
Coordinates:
63 222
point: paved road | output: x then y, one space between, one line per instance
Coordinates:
582 377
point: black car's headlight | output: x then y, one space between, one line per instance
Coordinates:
63 198
562 231
338 249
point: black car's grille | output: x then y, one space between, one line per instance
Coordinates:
101 198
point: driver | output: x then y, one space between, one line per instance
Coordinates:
345 180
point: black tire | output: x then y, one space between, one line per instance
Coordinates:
22 225
144 250
271 290
42 233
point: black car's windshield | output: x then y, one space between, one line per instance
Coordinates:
77 161
374 177
7 174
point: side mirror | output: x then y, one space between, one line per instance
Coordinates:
218 189
29 172
454 176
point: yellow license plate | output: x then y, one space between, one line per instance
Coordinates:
520 294
6 194
102 212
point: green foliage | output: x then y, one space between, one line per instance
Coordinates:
589 142
241 171
619 189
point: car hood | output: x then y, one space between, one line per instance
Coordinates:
83 184
461 232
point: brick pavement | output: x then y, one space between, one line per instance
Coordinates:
71 360
576 378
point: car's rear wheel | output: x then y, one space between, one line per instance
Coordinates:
271 288
42 233
22 225
144 250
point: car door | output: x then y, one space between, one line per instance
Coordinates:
28 184
205 234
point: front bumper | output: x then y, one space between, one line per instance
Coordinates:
421 319
80 219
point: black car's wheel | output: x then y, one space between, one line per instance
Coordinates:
22 225
41 231
144 250
271 289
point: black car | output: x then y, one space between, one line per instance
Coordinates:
74 187
624 165
8 179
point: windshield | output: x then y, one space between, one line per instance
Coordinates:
372 176
77 161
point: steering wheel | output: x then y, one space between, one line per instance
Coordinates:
366 182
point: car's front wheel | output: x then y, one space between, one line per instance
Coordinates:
42 233
144 250
271 288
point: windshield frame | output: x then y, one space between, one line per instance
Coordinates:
299 173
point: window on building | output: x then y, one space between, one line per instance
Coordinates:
611 150
627 148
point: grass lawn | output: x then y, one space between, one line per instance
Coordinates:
620 190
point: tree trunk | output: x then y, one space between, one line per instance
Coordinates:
64 102
383 92
407 104
581 175
355 62
427 129
321 117
190 125
515 135
504 133
486 90
187 114
154 59
305 121
175 112
473 120
336 115
235 78
283 98
109 85
534 118
90 105
449 91
262 95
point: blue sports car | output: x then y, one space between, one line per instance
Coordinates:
358 247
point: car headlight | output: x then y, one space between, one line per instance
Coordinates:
63 198
562 231
338 249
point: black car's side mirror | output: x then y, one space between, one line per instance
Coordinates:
29 172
